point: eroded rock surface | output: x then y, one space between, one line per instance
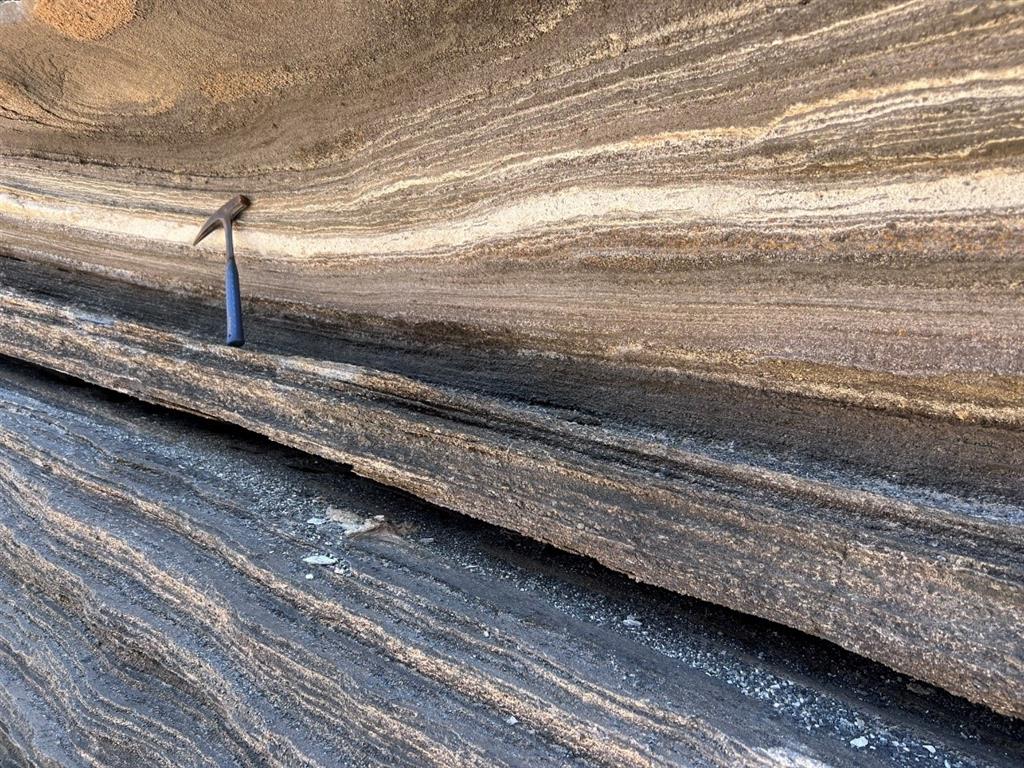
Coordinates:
929 582
156 611
779 240
820 197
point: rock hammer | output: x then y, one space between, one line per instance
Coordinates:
223 217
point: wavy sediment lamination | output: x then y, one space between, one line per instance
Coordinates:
156 612
929 583
727 296
679 194
705 187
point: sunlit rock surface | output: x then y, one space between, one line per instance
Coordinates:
744 278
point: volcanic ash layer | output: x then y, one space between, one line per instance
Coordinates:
158 610
726 295
928 581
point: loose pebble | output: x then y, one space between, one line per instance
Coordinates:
364 526
859 743
320 560
631 621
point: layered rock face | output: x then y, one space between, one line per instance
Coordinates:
157 611
726 295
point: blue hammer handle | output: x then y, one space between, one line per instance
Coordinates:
232 295
223 217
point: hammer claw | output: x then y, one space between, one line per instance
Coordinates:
210 225
223 216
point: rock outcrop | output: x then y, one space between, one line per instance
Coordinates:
725 295
157 610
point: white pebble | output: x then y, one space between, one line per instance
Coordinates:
320 560
859 743
631 621
309 576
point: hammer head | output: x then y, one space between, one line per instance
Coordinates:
223 216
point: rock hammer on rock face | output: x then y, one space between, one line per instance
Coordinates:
223 217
